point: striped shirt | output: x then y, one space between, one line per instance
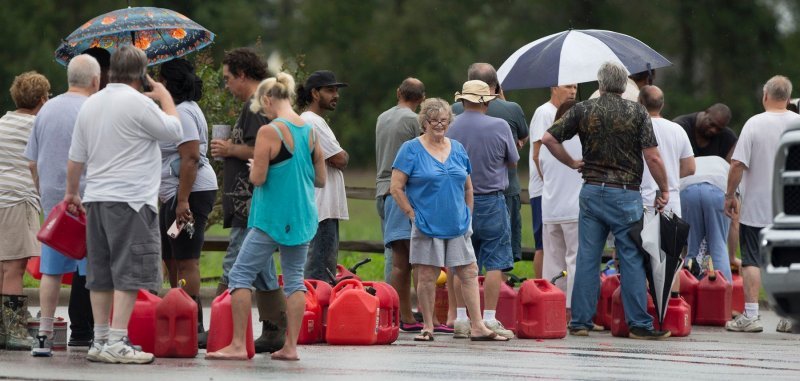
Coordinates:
16 183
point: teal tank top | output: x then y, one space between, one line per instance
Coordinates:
284 206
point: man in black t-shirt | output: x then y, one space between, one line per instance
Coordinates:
242 71
709 132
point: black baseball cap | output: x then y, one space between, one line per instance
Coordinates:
322 78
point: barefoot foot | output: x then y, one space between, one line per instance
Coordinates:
286 355
228 353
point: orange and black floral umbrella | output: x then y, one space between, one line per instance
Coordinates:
162 33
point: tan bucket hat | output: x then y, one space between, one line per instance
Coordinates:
475 91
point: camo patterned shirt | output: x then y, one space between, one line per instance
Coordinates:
613 133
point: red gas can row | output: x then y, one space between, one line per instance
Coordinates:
165 327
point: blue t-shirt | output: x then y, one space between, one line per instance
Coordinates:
435 189
490 146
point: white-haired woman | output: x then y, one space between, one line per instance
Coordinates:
286 167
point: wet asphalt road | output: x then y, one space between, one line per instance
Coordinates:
709 353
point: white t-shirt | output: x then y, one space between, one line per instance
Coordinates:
332 199
708 169
543 118
673 145
116 136
756 149
631 93
562 185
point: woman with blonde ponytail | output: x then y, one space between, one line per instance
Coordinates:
286 166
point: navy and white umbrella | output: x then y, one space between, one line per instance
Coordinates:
575 56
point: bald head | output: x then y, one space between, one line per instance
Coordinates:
411 90
652 98
778 89
484 72
82 71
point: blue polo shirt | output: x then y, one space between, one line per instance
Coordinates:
435 189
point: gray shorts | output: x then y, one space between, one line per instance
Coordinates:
438 252
748 244
123 247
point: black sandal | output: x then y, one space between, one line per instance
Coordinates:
425 336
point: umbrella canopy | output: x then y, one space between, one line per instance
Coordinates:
163 34
661 238
575 56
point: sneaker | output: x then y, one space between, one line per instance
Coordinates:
95 348
43 347
497 327
743 323
122 352
461 329
784 325
410 327
647 334
578 332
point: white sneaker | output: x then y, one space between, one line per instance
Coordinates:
497 327
784 325
43 346
744 324
93 354
122 352
461 329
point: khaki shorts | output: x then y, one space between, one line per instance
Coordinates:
123 247
18 227
453 252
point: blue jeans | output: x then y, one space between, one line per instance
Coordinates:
256 258
536 218
491 233
387 251
234 246
604 209
702 207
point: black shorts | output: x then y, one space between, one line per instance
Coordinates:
200 203
748 244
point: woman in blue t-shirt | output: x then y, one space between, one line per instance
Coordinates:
432 186
287 164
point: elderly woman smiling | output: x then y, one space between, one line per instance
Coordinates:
431 184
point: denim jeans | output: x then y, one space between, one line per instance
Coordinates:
387 251
234 246
702 206
256 258
604 209
491 233
323 250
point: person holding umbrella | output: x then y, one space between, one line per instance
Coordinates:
617 137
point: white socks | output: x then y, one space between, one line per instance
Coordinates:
461 313
115 335
100 333
46 326
751 310
488 315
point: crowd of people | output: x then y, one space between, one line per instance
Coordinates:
132 153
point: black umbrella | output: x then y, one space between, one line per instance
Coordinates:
661 238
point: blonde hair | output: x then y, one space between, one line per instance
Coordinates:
279 87
434 107
28 89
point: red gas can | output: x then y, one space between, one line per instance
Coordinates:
737 293
33 268
142 325
353 315
678 319
506 304
540 311
619 326
64 232
342 272
311 326
389 316
323 292
441 304
176 325
713 300
608 285
688 290
220 331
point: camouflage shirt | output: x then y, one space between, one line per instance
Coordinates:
613 132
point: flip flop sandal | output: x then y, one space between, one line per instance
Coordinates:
490 337
425 336
442 328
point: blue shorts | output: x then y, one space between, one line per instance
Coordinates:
55 263
491 233
256 257
396 225
536 216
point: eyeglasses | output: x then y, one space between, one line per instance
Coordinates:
441 122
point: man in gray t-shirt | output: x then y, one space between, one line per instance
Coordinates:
394 127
